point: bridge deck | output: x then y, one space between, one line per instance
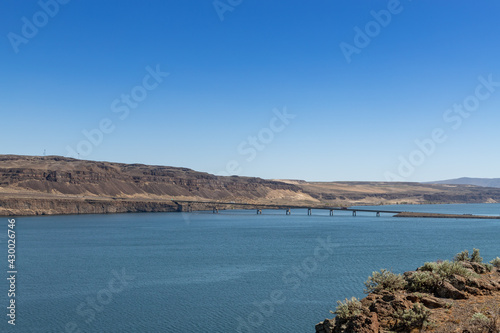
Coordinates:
261 206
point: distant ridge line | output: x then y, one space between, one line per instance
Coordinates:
483 182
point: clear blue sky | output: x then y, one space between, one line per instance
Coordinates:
65 70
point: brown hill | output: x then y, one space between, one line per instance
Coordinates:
384 193
32 185
67 176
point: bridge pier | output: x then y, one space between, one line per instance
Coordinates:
259 211
331 212
184 208
288 211
215 210
378 214
353 213
309 211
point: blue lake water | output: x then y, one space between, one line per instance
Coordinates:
230 272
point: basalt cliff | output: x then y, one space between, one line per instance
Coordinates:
39 185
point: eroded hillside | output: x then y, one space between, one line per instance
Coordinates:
32 185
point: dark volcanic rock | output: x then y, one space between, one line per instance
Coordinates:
12 207
447 290
458 299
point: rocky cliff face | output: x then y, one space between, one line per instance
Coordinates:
56 206
31 185
69 176
59 185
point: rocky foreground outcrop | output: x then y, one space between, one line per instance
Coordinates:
460 296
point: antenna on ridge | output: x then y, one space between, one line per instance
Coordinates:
44 152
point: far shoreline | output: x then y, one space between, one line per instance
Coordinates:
63 206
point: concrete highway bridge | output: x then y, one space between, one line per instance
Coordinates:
187 206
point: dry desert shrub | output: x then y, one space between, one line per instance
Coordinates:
348 309
384 280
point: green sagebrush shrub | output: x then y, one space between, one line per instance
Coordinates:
415 317
384 280
348 309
